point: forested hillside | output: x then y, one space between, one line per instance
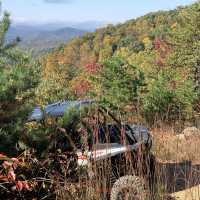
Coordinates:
146 71
163 47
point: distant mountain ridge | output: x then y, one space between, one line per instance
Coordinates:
42 39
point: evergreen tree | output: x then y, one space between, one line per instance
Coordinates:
18 78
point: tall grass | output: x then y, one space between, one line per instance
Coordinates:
177 169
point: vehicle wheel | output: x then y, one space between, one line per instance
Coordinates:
128 188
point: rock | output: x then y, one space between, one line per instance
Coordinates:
188 133
191 131
180 137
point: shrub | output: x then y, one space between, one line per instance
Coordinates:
170 96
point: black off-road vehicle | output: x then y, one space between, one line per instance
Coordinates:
105 149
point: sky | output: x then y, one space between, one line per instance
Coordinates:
112 11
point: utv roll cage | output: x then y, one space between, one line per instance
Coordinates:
58 109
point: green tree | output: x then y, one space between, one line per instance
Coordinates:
19 75
170 96
119 83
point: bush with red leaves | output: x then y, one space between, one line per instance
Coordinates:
81 87
92 67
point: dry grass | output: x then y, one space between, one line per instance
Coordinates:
178 162
171 147
177 170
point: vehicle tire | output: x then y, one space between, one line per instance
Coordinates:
129 188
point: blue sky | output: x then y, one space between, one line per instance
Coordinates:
85 10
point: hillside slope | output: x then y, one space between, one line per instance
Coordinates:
133 38
163 45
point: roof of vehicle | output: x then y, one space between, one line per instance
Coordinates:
57 109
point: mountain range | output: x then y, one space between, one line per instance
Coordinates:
41 38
